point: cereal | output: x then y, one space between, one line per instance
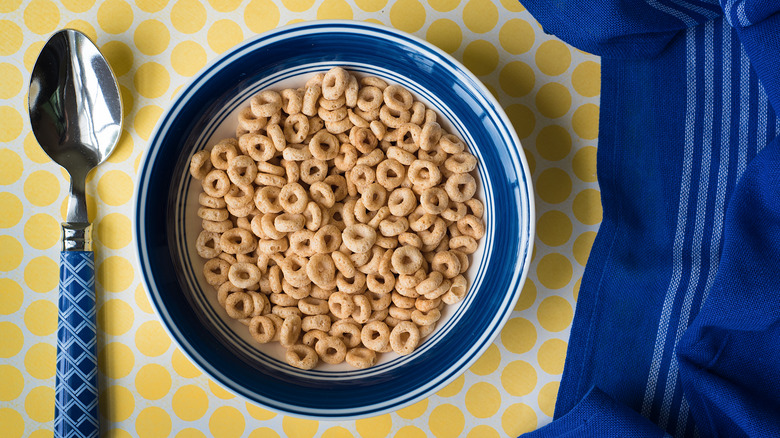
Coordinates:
339 220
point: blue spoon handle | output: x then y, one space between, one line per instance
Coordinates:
76 399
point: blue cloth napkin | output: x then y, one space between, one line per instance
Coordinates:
678 316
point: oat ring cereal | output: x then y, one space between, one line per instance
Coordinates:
340 219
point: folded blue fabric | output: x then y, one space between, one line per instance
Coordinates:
678 316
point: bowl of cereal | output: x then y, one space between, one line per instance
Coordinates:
334 219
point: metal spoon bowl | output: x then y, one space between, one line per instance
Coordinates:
76 116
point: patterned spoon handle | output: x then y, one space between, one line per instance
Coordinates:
76 401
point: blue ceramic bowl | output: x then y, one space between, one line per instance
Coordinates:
166 223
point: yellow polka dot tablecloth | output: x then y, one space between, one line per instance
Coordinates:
148 388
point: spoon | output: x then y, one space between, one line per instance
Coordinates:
76 116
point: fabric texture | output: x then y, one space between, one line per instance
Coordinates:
678 316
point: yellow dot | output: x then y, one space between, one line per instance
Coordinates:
115 317
480 16
190 433
141 300
444 34
13 383
137 162
41 16
334 9
115 274
512 6
584 164
188 16
11 339
11 166
183 366
224 5
78 5
446 421
12 38
554 228
145 120
410 432
547 396
153 422
12 297
33 150
115 187
298 5
553 142
517 79
518 335
116 360
488 362
40 318
587 207
518 419
262 15
481 57
586 78
12 210
553 100
40 361
153 381
407 15
127 100
188 57
555 313
453 388
444 5
553 58
39 404
9 5
219 391
13 424
11 253
371 5
554 271
551 356
582 246
12 80
522 118
553 185
527 296
338 432
483 400
151 37
45 433
116 403
224 34
41 231
151 340
299 427
516 36
41 188
518 378
374 427
119 56
483 431
264 432
257 412
585 121
151 5
413 411
9 130
115 16
151 80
